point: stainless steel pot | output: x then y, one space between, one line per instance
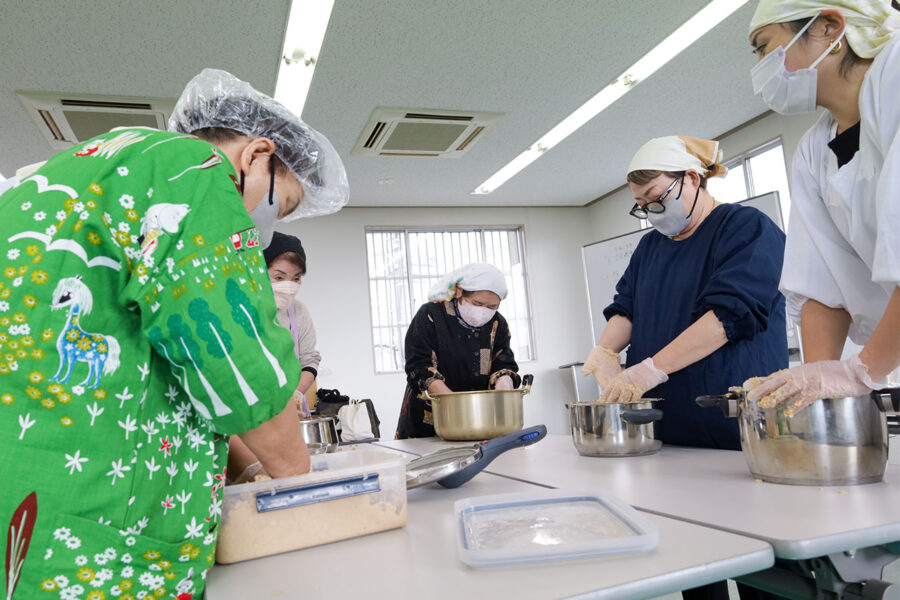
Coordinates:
833 441
479 415
614 429
320 434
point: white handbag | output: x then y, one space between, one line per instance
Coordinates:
355 424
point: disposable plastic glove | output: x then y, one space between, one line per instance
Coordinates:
249 473
801 386
302 405
631 384
603 363
504 383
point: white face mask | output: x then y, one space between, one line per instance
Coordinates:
475 316
264 216
284 292
787 92
674 219
266 212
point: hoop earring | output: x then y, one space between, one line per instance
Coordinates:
838 48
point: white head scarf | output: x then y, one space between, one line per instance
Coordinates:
870 23
675 153
474 277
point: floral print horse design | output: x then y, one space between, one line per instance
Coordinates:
101 352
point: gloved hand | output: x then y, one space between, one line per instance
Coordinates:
603 363
631 384
302 405
801 386
504 383
249 473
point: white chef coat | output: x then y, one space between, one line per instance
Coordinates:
843 244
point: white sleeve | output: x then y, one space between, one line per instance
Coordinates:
814 247
883 108
306 337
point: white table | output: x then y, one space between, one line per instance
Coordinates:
713 488
420 561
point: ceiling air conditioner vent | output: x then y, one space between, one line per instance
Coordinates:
434 133
67 119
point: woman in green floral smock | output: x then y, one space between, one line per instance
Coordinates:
136 333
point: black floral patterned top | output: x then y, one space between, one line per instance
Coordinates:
439 345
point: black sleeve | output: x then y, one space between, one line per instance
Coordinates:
503 362
421 351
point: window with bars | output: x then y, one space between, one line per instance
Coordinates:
404 263
756 172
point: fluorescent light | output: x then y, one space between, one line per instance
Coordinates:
693 29
305 32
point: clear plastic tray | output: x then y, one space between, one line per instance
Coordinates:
548 525
352 492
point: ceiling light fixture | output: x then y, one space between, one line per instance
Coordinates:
302 43
693 29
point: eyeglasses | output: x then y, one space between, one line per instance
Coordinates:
655 206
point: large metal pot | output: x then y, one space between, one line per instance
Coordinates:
479 415
614 429
833 441
320 434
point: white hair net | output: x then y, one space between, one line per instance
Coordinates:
870 24
474 277
216 98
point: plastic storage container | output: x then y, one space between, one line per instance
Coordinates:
350 493
548 525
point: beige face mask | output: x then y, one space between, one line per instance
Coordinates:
284 292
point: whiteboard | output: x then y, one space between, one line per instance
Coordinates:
605 261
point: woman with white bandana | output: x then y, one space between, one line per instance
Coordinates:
456 342
842 260
698 305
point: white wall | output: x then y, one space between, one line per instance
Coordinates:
336 292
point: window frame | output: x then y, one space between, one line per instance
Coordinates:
480 230
743 159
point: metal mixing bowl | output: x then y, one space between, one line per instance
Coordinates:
320 434
479 415
833 441
614 429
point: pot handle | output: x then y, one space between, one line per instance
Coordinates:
641 416
490 449
317 492
527 380
888 400
428 398
726 402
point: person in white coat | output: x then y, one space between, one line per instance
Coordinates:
842 256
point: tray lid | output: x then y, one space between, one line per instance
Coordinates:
437 465
548 525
